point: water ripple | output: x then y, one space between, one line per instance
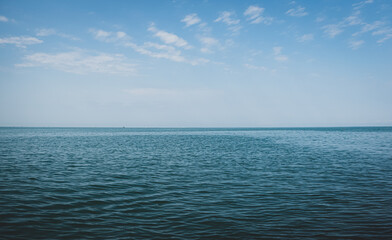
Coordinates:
196 183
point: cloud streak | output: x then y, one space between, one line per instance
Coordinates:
21 42
3 19
356 44
377 28
169 38
297 12
208 44
278 56
105 36
162 51
80 62
228 19
254 15
191 19
306 38
45 32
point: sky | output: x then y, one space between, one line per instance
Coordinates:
186 63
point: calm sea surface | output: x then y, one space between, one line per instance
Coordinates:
102 183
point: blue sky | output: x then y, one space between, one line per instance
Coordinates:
196 63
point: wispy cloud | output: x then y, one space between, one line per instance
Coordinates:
209 41
368 27
377 28
278 54
81 62
169 38
44 32
306 38
170 50
208 44
297 12
228 18
386 34
108 36
320 19
353 19
254 15
356 44
191 19
360 5
20 41
164 52
3 19
333 29
253 67
158 51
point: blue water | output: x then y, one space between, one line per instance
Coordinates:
102 183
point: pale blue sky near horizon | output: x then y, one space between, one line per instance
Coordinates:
196 63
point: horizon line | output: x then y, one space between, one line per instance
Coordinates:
200 127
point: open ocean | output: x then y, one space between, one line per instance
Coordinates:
120 183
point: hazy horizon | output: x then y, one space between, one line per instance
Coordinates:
261 64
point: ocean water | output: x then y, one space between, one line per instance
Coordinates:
103 183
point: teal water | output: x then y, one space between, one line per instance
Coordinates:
102 183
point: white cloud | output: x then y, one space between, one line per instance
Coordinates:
164 52
306 38
169 38
191 19
281 58
20 41
229 20
332 30
205 50
3 19
108 36
297 12
158 51
253 14
161 51
226 17
370 27
208 44
204 27
44 32
360 5
101 34
278 54
80 62
253 67
277 50
386 34
356 44
209 41
121 35
353 19
377 28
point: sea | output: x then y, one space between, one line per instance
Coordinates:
196 183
